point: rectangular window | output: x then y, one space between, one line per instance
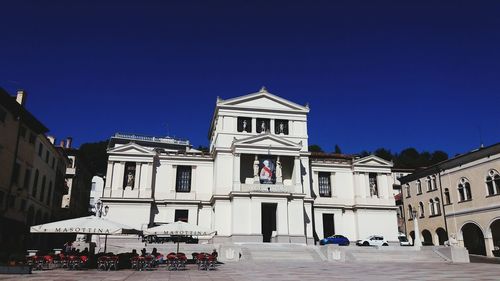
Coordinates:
15 174
3 115
35 184
42 190
53 162
183 179
27 178
22 207
49 194
181 215
12 201
47 157
2 195
32 138
325 189
40 149
22 132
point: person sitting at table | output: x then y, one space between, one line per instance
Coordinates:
85 252
143 252
134 253
215 254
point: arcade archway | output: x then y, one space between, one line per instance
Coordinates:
426 234
473 239
442 235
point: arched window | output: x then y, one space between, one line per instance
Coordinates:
421 209
464 192
493 182
407 187
419 187
429 184
431 207
434 183
437 206
447 196
410 212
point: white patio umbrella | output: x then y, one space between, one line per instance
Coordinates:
85 225
179 228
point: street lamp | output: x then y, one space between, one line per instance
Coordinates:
416 242
99 209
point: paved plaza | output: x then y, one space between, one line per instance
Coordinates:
286 271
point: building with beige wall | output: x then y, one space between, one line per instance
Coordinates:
30 176
458 197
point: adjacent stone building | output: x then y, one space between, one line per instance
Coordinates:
458 197
31 175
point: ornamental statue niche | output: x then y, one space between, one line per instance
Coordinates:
129 175
263 125
244 124
281 127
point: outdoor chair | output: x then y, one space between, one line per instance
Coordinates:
171 261
134 263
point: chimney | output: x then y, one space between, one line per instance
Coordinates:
69 140
51 139
61 143
21 97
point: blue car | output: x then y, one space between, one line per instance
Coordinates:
335 239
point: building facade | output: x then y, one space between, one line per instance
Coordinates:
258 183
31 175
458 197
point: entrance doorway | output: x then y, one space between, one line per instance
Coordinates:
268 219
328 225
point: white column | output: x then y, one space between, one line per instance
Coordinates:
254 125
109 174
298 176
137 175
333 186
236 172
174 178
271 126
418 241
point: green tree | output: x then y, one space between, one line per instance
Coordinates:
315 148
337 149
407 158
96 155
384 154
438 156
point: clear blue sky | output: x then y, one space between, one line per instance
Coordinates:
388 74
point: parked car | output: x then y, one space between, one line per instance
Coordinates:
373 240
403 241
335 239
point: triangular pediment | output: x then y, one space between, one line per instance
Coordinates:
266 141
130 148
263 100
372 160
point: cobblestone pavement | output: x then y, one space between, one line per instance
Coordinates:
286 271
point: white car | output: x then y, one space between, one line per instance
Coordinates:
403 241
374 240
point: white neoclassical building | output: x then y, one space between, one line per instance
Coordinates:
258 183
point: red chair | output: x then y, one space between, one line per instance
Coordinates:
181 260
134 263
102 263
113 262
171 261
